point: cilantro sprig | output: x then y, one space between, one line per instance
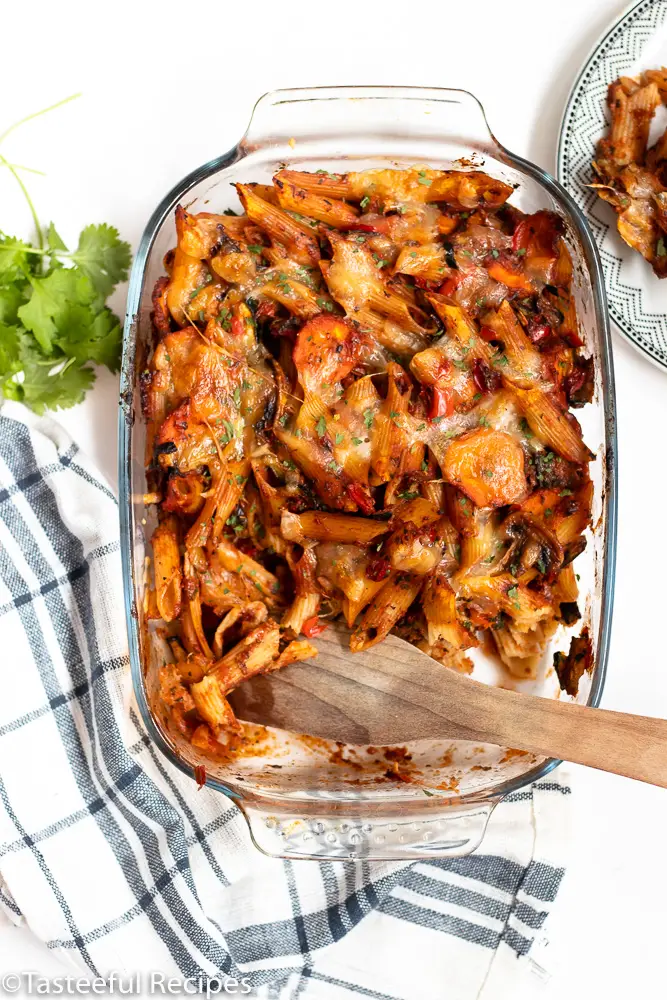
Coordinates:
53 319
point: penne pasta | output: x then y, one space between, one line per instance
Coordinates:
566 590
307 596
526 607
234 561
480 546
390 427
426 262
443 625
389 604
521 652
218 506
255 653
322 183
298 299
553 425
212 705
188 274
281 227
331 211
525 368
295 652
322 526
167 569
355 281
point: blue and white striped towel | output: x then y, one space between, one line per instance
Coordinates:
114 859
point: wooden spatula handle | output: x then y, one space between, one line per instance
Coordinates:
632 745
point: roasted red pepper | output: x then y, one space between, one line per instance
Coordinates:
449 287
237 326
499 272
442 404
539 333
361 497
313 626
378 569
521 237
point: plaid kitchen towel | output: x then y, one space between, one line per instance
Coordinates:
114 859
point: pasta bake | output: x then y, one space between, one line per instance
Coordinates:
359 405
631 176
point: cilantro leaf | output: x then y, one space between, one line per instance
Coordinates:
54 240
10 343
11 298
14 259
51 296
87 336
103 257
41 389
45 383
53 317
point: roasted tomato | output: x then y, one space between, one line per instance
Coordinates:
488 466
326 350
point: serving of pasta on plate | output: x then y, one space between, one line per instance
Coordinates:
359 407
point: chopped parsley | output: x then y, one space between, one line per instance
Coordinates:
369 417
229 433
321 427
423 179
363 204
513 594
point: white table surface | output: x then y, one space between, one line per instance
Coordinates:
150 113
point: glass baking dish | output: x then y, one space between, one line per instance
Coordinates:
305 799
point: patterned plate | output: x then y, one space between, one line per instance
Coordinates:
637 298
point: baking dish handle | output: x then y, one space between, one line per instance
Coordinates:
440 830
283 118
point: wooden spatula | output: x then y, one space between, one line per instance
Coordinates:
393 693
